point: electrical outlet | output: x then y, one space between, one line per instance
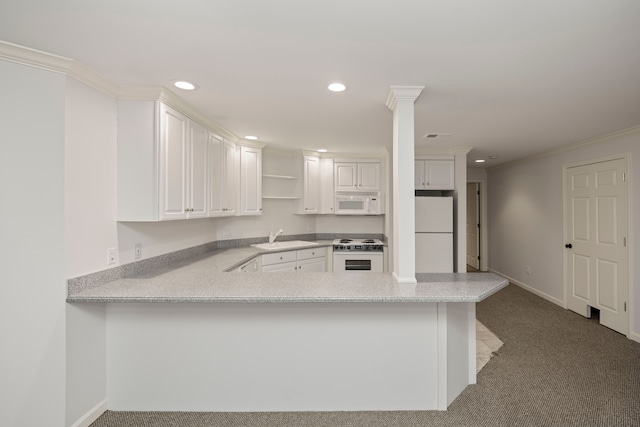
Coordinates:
528 270
111 256
138 251
225 233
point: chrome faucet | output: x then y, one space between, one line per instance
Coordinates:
273 237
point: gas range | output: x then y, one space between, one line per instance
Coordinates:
357 245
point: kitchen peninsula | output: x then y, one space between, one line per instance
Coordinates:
191 337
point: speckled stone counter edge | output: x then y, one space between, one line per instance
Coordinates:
92 280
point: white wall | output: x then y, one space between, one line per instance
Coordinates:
350 224
33 291
526 219
90 228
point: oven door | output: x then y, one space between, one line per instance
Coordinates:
357 262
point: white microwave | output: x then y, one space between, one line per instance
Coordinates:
358 204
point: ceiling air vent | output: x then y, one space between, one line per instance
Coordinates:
436 135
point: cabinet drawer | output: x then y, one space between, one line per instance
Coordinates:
311 253
279 257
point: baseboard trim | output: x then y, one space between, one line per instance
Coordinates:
635 337
93 414
530 289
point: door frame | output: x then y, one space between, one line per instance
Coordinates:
565 233
484 242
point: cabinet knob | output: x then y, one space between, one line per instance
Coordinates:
280 257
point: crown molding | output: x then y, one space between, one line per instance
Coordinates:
59 64
575 146
34 58
402 94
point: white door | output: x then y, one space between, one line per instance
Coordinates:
419 178
346 176
369 176
596 263
313 265
311 185
473 225
326 186
439 174
250 181
173 164
198 168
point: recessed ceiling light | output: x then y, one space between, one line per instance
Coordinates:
337 87
493 157
322 150
251 137
181 84
480 161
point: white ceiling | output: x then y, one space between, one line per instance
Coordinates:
510 78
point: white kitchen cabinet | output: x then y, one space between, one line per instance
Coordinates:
434 174
357 176
312 260
327 195
223 177
250 181
162 163
183 166
198 170
251 266
303 260
310 185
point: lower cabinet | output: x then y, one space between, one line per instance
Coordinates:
252 266
303 260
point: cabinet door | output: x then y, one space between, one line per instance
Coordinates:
173 164
369 176
223 177
250 181
440 174
198 167
230 178
346 176
420 181
311 185
313 265
327 195
216 175
285 267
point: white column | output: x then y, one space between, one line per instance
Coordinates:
401 101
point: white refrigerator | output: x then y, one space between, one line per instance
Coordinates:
434 234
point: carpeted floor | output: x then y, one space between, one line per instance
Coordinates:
556 368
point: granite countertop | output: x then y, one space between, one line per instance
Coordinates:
203 279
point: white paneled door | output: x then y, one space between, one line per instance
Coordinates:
596 254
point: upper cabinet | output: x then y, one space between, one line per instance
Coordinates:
357 176
310 185
224 177
434 174
183 166
162 163
327 195
250 181
172 167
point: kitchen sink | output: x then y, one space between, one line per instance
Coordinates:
284 245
